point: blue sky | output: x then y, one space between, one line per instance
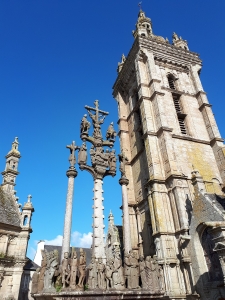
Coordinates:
55 57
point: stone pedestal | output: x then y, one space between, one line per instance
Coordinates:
109 295
71 174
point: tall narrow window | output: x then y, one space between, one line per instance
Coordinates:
180 115
171 82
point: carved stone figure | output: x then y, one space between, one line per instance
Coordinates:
112 160
52 264
101 158
149 275
142 269
134 270
154 270
123 161
73 269
35 280
118 277
101 274
85 125
108 274
111 133
65 270
82 156
82 268
157 247
42 271
72 158
92 276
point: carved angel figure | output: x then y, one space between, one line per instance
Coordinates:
111 133
85 125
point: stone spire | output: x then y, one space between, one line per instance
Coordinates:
143 25
10 172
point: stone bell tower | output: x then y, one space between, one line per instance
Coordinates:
168 133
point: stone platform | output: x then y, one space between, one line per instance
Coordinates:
108 295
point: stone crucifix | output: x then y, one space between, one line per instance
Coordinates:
103 163
71 174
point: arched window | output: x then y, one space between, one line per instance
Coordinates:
171 81
211 257
25 220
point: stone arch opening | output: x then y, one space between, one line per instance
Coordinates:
211 257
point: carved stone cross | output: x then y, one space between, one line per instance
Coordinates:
72 158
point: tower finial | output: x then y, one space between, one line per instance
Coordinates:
139 4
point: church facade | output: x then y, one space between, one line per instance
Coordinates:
15 230
176 164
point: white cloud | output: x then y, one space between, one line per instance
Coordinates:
55 242
81 239
78 239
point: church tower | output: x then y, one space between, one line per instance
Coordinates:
176 162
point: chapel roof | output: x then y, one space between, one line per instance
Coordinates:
9 212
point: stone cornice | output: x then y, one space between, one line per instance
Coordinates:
163 52
203 105
216 139
189 138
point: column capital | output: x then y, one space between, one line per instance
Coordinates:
123 181
71 172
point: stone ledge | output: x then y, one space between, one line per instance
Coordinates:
97 294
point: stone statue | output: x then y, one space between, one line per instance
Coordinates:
142 269
123 161
85 125
35 280
101 158
52 265
72 158
82 268
111 133
108 274
73 270
82 156
157 247
134 270
127 270
149 275
175 37
118 277
92 276
65 270
160 278
112 160
101 274
155 273
42 271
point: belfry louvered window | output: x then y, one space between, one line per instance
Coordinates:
171 82
180 115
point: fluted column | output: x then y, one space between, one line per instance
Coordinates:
71 174
126 220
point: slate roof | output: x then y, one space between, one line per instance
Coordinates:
219 201
9 213
88 251
30 265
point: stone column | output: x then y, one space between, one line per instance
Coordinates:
98 221
126 219
71 174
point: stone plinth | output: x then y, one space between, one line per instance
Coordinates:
106 295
